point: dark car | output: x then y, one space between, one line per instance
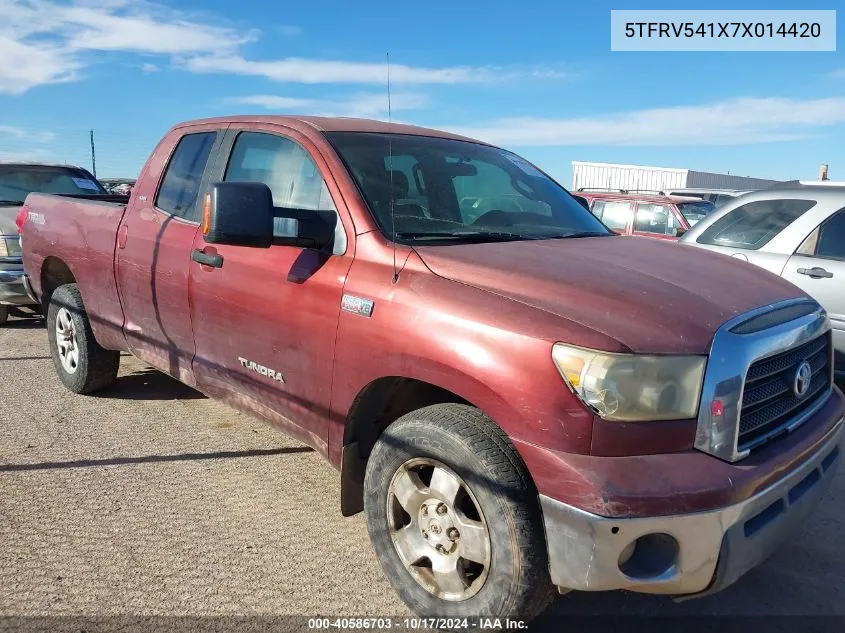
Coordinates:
17 181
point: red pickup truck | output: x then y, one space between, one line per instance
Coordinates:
516 397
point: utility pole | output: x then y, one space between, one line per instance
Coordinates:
93 156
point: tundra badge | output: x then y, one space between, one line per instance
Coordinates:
261 369
357 305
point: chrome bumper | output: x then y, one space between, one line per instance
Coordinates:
13 288
697 553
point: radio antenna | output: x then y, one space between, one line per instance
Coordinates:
390 169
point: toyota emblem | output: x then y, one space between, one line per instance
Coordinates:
803 375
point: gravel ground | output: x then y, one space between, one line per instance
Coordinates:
149 499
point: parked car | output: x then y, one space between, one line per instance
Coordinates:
517 400
17 180
797 231
646 213
718 197
118 186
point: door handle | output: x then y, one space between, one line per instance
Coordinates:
815 272
215 261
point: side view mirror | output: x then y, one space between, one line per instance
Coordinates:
583 202
304 227
242 214
238 213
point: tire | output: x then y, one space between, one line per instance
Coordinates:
450 441
82 364
4 314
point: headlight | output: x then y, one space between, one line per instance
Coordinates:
632 388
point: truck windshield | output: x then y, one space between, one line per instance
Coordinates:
18 181
429 189
695 211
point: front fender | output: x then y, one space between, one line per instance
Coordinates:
478 346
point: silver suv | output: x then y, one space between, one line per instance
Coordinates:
795 230
719 197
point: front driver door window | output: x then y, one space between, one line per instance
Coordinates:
285 167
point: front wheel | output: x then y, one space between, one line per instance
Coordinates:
82 364
454 518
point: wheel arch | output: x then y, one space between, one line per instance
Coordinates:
378 404
54 273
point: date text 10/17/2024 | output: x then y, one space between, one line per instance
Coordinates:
415 624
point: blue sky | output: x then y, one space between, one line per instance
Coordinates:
537 77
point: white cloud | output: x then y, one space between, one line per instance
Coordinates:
44 42
27 144
11 130
149 68
314 71
24 66
839 73
355 105
27 154
51 41
138 31
731 122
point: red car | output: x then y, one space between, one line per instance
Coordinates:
516 397
646 213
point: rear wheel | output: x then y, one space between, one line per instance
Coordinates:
454 517
82 364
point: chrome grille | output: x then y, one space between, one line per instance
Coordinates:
769 403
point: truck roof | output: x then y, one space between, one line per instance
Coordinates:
332 124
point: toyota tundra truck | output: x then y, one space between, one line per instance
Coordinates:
516 397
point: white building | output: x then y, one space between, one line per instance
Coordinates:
613 176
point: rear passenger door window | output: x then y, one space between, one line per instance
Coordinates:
292 176
616 214
654 218
753 225
180 185
832 238
828 240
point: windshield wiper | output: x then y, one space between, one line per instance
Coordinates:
11 203
464 236
577 235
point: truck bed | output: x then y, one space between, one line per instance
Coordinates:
80 230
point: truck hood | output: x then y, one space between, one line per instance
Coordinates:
651 296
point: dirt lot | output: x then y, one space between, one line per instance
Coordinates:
150 499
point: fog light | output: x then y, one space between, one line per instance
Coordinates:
649 556
626 554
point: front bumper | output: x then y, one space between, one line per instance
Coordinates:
695 553
13 288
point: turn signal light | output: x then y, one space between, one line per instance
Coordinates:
206 214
